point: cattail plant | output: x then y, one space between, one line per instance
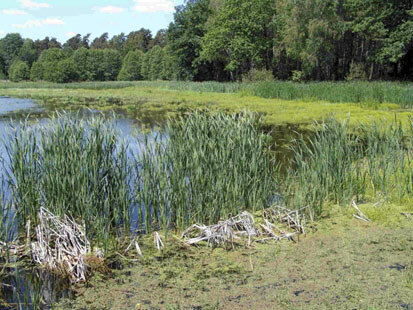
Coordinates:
70 166
204 168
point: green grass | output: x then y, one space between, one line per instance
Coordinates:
368 94
172 85
152 103
365 93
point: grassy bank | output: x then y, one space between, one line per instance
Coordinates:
365 93
157 100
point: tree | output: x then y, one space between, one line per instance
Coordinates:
100 42
28 52
77 42
240 35
169 64
52 55
131 67
36 72
382 35
80 58
117 42
146 66
156 63
46 66
10 47
65 71
2 68
112 63
184 38
19 71
307 32
137 40
97 65
46 43
159 40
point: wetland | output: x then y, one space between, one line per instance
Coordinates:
132 159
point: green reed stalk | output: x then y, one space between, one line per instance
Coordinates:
205 168
339 164
71 166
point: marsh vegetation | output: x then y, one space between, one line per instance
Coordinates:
200 168
202 165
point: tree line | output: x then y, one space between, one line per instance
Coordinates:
232 40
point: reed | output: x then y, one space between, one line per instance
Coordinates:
70 166
340 163
7 222
203 169
200 168
368 94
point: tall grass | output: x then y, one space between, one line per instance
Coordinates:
339 164
365 93
208 167
200 169
173 85
70 166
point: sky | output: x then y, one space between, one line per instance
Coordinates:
63 19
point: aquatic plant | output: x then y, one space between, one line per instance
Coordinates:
207 167
71 167
368 94
340 163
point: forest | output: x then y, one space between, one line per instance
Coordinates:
233 40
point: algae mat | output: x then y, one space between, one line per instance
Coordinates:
345 264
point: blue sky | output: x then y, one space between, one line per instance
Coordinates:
62 19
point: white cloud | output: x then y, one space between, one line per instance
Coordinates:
70 34
40 22
13 12
2 33
30 4
52 21
151 6
110 9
